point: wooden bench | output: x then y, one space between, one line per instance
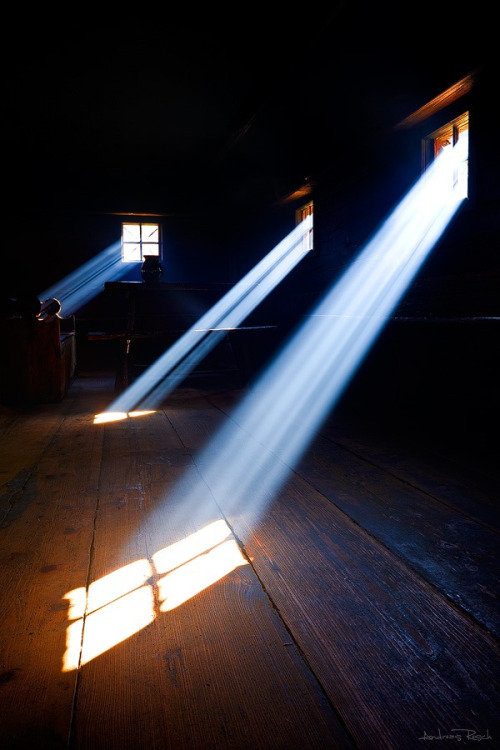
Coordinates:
38 359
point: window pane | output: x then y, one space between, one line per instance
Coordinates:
131 232
443 141
463 167
453 134
302 213
150 232
131 252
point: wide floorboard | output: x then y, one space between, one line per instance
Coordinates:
168 582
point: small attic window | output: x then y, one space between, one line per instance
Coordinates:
139 240
448 136
300 214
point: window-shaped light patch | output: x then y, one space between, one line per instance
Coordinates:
195 563
111 610
120 604
139 240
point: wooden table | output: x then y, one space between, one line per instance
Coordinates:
156 315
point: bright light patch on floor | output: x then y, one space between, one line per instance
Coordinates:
119 416
187 549
117 584
203 571
87 281
120 604
148 390
117 621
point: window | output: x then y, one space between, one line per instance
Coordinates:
139 240
300 215
456 131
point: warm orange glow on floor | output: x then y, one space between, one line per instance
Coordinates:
120 604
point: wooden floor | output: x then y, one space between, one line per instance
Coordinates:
141 609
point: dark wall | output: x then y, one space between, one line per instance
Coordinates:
357 182
434 367
355 187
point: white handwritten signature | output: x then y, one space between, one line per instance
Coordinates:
458 734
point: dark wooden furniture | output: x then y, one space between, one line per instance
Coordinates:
38 359
155 315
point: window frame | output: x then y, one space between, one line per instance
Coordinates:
143 244
307 209
433 143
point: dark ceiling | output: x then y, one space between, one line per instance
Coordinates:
196 109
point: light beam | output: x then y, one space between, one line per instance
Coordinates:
250 457
149 389
79 287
